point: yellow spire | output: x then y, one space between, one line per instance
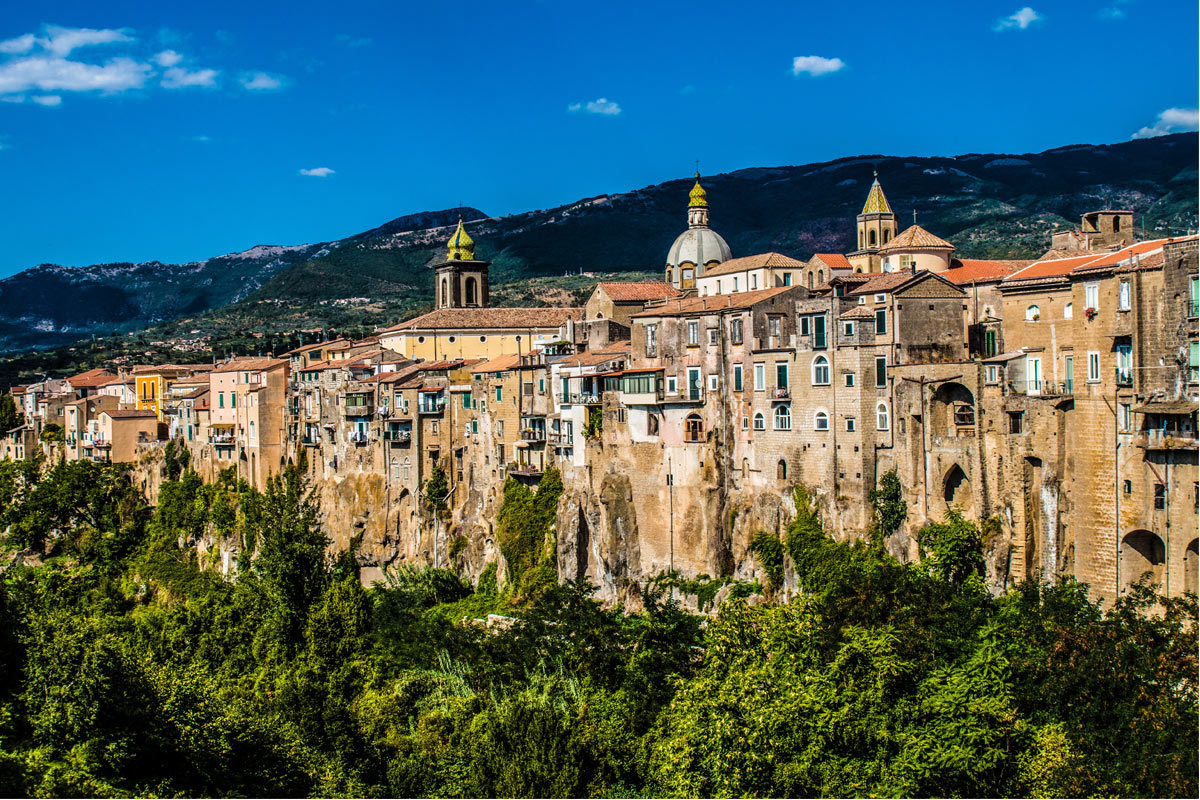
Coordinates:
876 202
698 198
461 247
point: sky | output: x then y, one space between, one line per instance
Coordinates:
179 131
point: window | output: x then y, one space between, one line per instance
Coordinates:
1125 364
735 331
760 422
881 298
1194 297
1015 421
1033 314
712 337
819 332
820 371
693 428
1160 496
541 385
781 470
821 421
992 374
753 281
880 372
760 377
783 418
713 382
565 390
880 320
773 326
252 430
693 383
989 343
882 417
805 328
499 429
781 375
847 328
718 285
1127 487
1069 311
466 399
651 341
1123 296
1069 369
220 399
1126 417
735 283
693 332
1093 366
1091 296
851 425
499 394
672 385
849 378
745 423
1194 362
652 424
787 279
737 377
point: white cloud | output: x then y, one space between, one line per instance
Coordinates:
21 44
61 41
47 100
816 65
60 74
167 58
1173 120
261 81
180 78
1020 19
602 105
318 172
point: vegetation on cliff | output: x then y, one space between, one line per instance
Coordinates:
126 669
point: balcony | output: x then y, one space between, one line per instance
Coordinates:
310 440
525 469
360 410
585 399
221 439
533 435
431 404
560 439
1042 388
399 436
1159 439
782 393
358 438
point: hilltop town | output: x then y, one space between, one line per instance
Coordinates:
1053 399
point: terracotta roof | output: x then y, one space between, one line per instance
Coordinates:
833 260
93 377
858 312
1052 268
196 393
916 237
304 348
1125 254
591 358
758 261
250 364
883 282
130 414
702 305
498 364
967 270
638 291
117 380
489 319
167 369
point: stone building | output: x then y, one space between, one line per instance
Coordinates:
699 248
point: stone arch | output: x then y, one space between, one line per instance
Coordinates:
781 470
811 283
1191 566
582 545
956 488
1141 552
445 293
951 410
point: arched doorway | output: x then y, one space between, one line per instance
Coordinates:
1142 552
952 411
956 488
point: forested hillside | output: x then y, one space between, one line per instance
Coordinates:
127 669
987 205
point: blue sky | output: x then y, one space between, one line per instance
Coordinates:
151 130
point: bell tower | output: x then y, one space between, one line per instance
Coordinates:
461 281
876 227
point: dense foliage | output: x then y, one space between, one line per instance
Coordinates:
127 668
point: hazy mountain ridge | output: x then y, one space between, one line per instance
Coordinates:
987 204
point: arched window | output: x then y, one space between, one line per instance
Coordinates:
882 417
871 238
820 371
1116 224
821 421
687 278
820 276
760 422
1141 552
858 270
887 235
1033 313
670 275
1068 311
860 240
783 418
781 470
471 291
445 292
693 428
811 282
252 430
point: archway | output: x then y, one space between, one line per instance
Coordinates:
781 470
1142 552
952 410
582 544
956 488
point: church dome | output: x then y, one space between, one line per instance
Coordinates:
698 245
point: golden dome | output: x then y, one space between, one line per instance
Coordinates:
698 198
461 247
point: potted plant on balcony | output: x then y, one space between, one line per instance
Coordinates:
1090 313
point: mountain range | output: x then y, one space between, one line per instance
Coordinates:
986 204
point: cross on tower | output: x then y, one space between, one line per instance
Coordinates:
914 216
